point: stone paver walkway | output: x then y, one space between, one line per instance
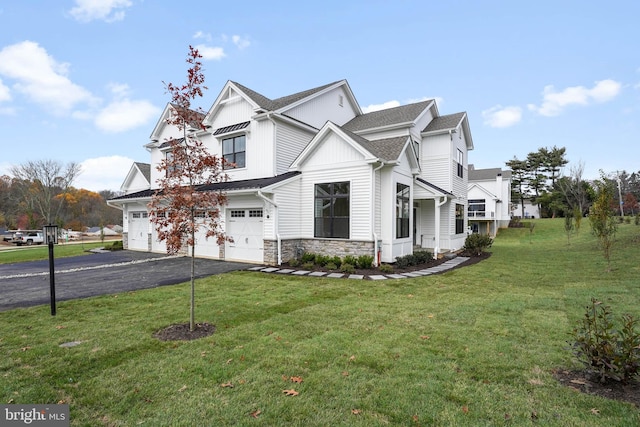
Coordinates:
447 265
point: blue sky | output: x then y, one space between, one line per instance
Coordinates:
82 80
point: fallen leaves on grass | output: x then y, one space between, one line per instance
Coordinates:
424 337
465 409
227 385
290 392
595 411
255 413
356 411
296 380
183 388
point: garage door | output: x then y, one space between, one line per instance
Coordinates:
206 247
245 226
138 230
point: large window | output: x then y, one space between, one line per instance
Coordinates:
477 208
403 208
460 164
459 219
234 152
332 210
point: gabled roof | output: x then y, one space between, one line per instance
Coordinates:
389 117
445 123
145 170
388 149
451 123
166 114
278 103
482 189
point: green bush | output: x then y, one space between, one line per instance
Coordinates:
609 353
422 257
322 260
365 261
336 260
115 246
331 266
308 257
294 262
308 266
347 268
477 243
386 268
350 259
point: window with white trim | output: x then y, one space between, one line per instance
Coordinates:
402 210
331 210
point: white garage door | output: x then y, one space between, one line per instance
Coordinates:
246 228
138 230
206 247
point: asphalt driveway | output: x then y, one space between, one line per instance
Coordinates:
27 284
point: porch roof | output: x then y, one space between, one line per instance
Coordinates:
426 190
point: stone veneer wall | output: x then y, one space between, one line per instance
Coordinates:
293 248
125 240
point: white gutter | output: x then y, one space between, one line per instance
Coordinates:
373 215
275 221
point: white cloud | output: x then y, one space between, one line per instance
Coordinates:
241 42
377 107
123 114
502 117
105 10
5 93
103 173
210 52
554 102
202 35
41 78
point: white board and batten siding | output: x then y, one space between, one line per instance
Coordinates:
332 106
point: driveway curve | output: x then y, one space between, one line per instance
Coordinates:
27 284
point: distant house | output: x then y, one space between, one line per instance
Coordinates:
313 173
489 200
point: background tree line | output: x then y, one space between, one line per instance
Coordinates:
41 192
539 179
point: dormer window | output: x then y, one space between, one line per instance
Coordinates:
234 152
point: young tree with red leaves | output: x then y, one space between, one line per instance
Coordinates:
178 209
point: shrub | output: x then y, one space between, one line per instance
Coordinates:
294 262
350 259
347 268
365 261
308 266
422 257
115 246
308 257
609 353
336 260
477 243
322 260
331 266
386 268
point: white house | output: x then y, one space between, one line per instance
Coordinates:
314 173
489 200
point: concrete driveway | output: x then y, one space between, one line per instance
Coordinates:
27 284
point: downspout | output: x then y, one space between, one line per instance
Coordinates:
376 249
275 222
436 248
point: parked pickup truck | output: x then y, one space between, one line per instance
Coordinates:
30 238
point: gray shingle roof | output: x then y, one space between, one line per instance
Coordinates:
388 149
487 174
450 121
390 116
435 187
145 168
223 186
276 104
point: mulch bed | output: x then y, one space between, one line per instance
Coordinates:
580 381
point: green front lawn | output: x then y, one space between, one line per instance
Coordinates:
40 252
475 346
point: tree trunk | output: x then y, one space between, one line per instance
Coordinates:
192 317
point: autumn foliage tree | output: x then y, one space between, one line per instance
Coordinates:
178 209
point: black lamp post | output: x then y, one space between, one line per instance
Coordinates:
51 237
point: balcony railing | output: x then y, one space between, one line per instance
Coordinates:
480 214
